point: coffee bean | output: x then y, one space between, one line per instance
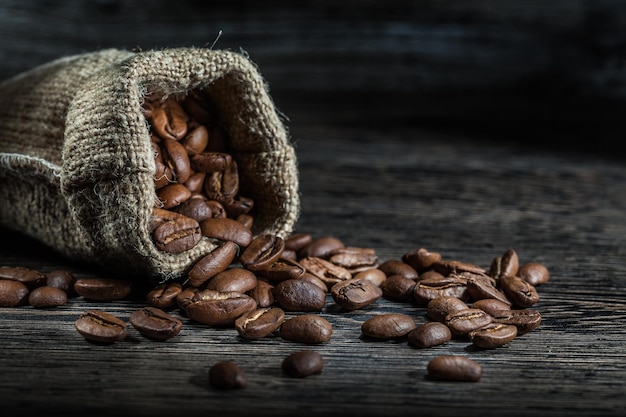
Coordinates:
398 288
296 241
103 289
451 286
99 326
299 295
262 293
521 293
176 157
195 184
196 141
321 247
534 273
209 162
196 209
213 263
308 277
454 368
168 119
226 229
421 259
177 235
259 323
219 308
447 267
492 335
353 294
262 252
464 321
504 265
302 364
325 270
480 287
438 308
29 277
61 279
47 297
491 305
354 259
307 328
222 185
155 324
173 195
233 280
401 268
373 275
429 334
163 296
388 326
227 375
13 293
525 320
283 269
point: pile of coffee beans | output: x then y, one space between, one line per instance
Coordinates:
273 287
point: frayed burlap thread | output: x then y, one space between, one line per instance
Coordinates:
76 162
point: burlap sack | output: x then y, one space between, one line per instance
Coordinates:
76 163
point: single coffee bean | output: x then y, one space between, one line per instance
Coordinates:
289 254
307 328
186 297
160 216
47 297
155 324
438 308
353 294
226 229
354 259
388 326
262 252
320 247
452 286
29 277
178 235
534 273
173 195
464 321
373 275
297 241
217 209
169 120
259 323
237 206
209 162
504 265
325 270
521 293
454 368
429 334
283 269
219 308
13 293
195 208
446 267
525 320
480 287
61 279
227 375
222 185
246 219
299 295
213 263
176 157
103 289
262 293
397 267
398 288
195 184
163 296
492 335
233 280
302 364
421 259
196 141
491 305
314 280
99 326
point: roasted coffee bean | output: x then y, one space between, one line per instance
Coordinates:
398 288
525 320
388 326
481 286
99 326
185 297
263 293
209 162
196 141
103 289
262 252
373 275
421 259
283 269
217 209
160 216
314 280
307 328
353 294
175 156
237 206
296 241
259 323
169 120
321 247
29 277
492 335
464 321
454 368
163 296
227 375
47 297
452 286
219 308
446 268
302 364
173 195
222 185
396 267
325 270
233 280
195 184
61 279
519 292
247 220
155 324
438 308
195 208
429 334
354 259
213 263
504 265
226 229
534 273
178 235
13 293
289 254
299 295
491 305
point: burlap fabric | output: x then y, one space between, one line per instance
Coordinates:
76 163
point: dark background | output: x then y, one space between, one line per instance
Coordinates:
547 73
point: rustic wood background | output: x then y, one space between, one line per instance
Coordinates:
465 127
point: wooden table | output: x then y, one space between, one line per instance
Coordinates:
393 189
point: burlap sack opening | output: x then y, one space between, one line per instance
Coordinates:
76 164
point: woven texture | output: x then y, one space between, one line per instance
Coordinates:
76 162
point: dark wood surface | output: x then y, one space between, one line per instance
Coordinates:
406 179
